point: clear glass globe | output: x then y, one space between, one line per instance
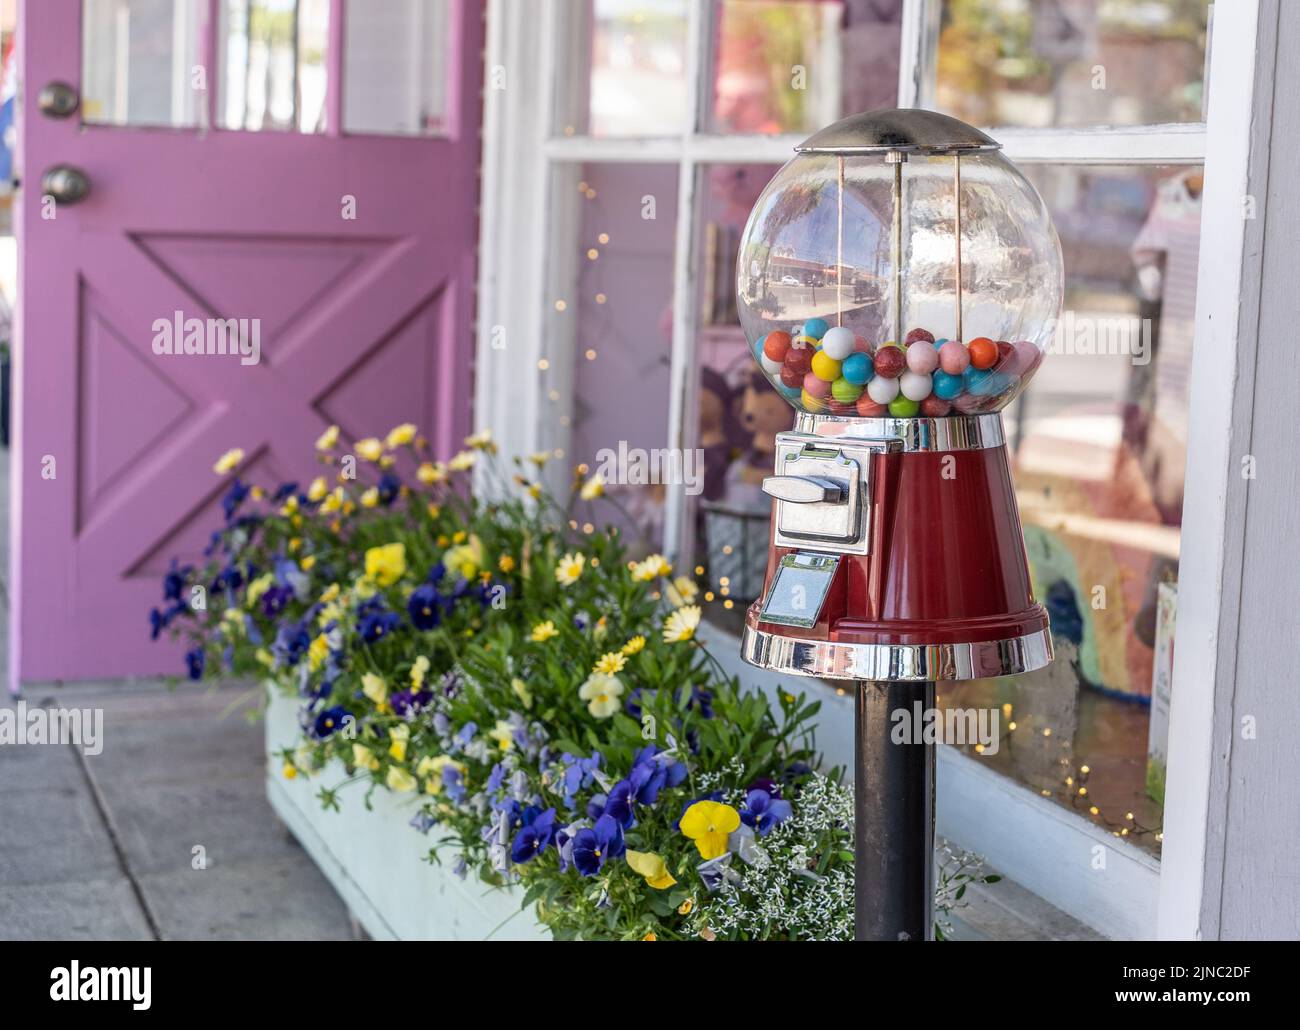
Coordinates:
818 279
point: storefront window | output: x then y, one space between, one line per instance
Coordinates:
1099 447
1072 62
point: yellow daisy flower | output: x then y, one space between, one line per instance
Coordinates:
682 590
543 632
611 663
399 436
592 488
369 448
430 473
569 569
229 461
328 439
462 461
481 441
680 625
651 568
634 646
506 564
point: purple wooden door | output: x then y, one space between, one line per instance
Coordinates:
354 251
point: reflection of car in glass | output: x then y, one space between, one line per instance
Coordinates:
789 280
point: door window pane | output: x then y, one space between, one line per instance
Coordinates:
738 412
138 62
271 56
395 70
1099 444
1072 62
636 69
622 325
796 65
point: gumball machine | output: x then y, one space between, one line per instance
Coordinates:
899 281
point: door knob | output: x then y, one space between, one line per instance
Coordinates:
57 100
806 489
66 184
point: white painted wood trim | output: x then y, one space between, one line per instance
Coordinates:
1209 669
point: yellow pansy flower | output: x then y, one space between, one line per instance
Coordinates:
307 562
229 461
543 632
430 769
684 909
333 502
569 568
318 489
634 646
399 780
265 657
465 559
257 588
592 488
363 758
290 505
652 867
709 824
398 436
289 771
504 734
327 439
650 935
317 651
522 692
602 692
401 736
329 593
386 564
370 499
419 669
682 590
370 448
429 473
680 625
611 663
374 687
506 564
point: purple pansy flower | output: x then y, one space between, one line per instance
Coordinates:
595 846
764 812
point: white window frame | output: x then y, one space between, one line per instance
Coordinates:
531 168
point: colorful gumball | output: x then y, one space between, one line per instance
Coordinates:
922 360
1027 357
857 368
862 345
772 368
954 358
919 334
947 386
799 360
816 328
792 378
805 341
935 407
776 344
889 362
867 408
838 343
976 381
825 367
845 392
810 403
904 407
815 386
883 389
915 386
983 352
1006 355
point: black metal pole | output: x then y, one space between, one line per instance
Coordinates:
893 791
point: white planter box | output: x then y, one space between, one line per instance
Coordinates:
375 859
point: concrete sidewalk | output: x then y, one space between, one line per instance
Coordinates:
165 835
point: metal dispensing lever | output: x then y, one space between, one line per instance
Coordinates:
806 489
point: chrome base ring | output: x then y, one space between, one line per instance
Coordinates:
830 660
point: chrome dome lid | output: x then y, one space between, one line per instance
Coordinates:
908 130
